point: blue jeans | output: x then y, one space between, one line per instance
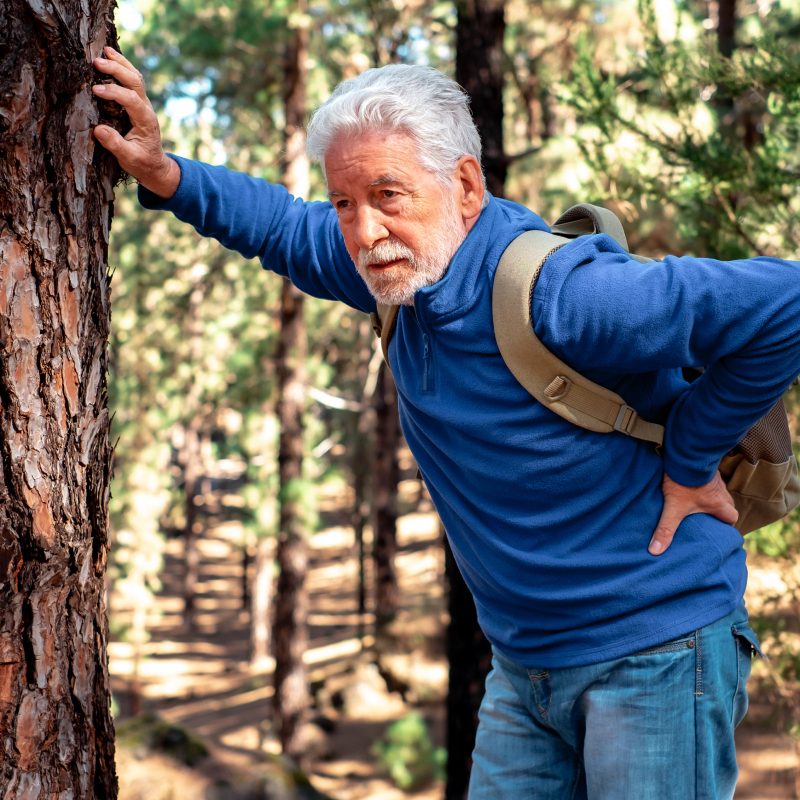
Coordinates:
656 725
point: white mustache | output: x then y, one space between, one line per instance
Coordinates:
384 253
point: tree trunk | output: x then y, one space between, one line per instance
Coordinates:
290 633
387 476
191 531
480 69
56 206
726 27
470 657
360 518
191 457
726 42
261 602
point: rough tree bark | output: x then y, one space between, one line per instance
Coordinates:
290 633
480 69
386 477
56 205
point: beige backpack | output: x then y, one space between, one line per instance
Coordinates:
760 472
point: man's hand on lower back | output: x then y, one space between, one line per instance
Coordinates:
681 501
140 152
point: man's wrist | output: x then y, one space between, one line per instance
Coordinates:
166 182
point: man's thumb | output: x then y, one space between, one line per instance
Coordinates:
109 138
665 530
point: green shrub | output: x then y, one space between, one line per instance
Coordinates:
407 754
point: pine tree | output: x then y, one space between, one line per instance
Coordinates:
56 206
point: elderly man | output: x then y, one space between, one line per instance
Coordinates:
620 661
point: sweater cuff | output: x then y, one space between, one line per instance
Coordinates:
154 202
685 475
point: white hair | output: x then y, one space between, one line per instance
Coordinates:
420 101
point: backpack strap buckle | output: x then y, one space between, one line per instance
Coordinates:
623 423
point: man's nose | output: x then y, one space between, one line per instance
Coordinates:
369 228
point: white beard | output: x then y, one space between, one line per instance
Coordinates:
397 285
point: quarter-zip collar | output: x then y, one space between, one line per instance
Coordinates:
465 281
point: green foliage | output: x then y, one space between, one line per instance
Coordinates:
407 754
715 141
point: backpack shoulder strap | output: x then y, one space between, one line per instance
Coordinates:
553 383
384 323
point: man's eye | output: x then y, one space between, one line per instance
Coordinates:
388 193
342 204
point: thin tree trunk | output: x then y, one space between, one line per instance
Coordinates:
386 476
245 580
290 633
262 602
191 531
726 42
56 206
726 27
470 657
192 458
360 518
480 69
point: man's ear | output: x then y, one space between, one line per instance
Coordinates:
471 191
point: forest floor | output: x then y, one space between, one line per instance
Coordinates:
201 681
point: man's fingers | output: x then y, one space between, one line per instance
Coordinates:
113 55
130 78
138 110
721 504
671 517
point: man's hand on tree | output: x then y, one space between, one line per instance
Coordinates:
681 501
140 153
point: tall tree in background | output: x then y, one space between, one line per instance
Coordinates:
386 476
290 633
56 204
480 69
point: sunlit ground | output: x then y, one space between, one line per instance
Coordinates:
203 681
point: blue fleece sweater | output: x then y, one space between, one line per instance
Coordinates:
549 522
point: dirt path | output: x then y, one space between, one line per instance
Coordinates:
202 680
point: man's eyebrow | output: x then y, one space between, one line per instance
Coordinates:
386 179
380 181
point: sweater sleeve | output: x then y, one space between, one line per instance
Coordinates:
298 240
600 310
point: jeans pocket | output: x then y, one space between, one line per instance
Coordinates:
747 644
672 646
746 636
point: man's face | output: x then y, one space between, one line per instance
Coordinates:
400 225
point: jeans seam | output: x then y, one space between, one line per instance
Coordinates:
577 765
699 678
535 681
